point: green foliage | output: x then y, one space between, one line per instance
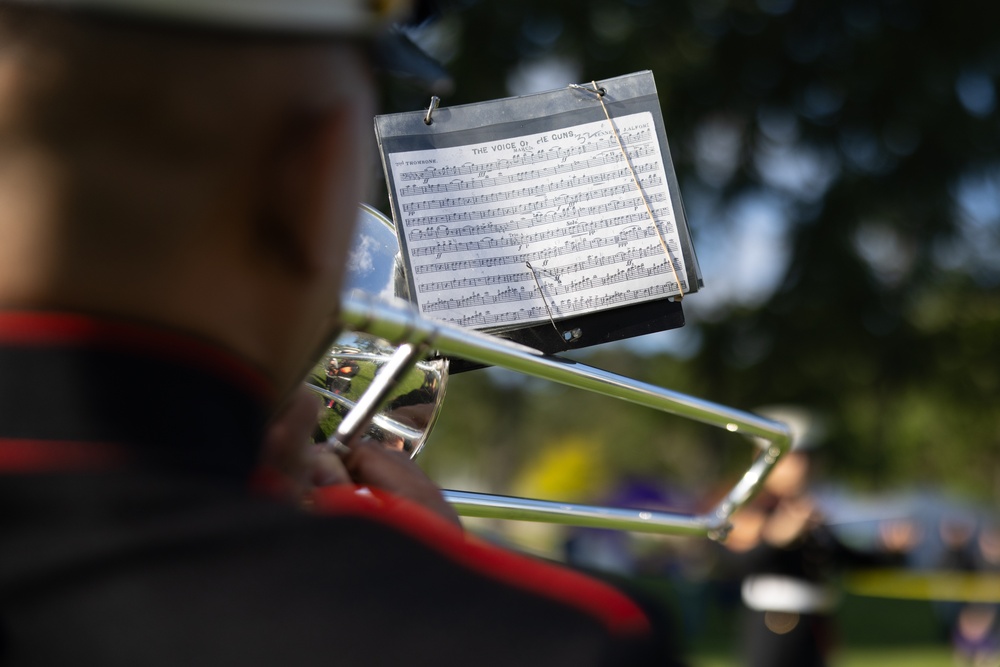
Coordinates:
869 129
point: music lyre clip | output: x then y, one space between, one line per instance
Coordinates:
435 102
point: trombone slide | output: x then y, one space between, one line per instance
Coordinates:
400 324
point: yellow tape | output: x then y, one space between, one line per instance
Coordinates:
925 585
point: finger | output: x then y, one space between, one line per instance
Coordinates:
288 436
327 468
370 463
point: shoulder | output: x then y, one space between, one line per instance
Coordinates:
367 580
485 599
490 567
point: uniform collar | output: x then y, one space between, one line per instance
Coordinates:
73 385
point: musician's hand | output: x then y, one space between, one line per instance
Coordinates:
747 525
791 519
372 464
293 464
302 466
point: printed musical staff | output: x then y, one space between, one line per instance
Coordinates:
512 294
574 181
559 153
579 305
493 229
623 238
585 228
542 204
457 185
592 262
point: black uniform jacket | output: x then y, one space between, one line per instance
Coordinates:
131 534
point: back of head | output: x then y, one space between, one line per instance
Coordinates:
140 125
150 159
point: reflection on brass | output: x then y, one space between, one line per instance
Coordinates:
408 413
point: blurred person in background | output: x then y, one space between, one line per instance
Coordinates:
339 375
178 185
787 558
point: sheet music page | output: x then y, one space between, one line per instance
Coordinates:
544 225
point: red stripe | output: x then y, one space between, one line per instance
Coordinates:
21 456
41 328
615 610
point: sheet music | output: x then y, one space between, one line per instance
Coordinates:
548 224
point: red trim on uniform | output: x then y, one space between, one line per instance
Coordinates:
21 456
51 328
267 481
618 612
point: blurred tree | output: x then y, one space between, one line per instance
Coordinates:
839 159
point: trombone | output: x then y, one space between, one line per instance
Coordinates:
394 337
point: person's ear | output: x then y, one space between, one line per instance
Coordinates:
313 185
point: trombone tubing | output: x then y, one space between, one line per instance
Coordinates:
400 323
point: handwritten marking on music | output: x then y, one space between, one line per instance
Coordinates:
493 229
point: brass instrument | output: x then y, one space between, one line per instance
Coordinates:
388 334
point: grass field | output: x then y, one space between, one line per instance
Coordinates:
899 656
871 631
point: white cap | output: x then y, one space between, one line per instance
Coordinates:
357 17
808 430
395 52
